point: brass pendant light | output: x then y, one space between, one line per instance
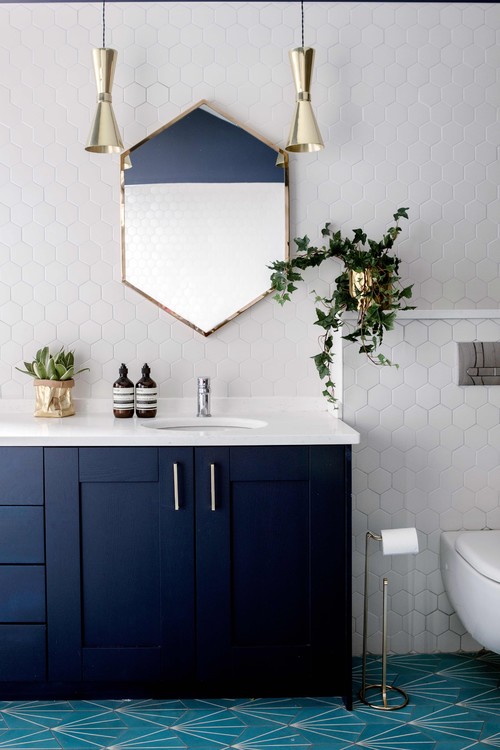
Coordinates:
104 135
304 132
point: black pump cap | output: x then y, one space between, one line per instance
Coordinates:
146 370
123 370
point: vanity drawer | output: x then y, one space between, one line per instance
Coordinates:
22 593
21 534
22 653
21 476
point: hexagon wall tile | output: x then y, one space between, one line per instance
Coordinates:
406 97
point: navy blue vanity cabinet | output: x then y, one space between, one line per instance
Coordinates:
198 571
120 568
273 540
22 567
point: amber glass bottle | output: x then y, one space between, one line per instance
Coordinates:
123 395
146 395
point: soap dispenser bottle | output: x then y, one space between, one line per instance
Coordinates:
123 395
146 395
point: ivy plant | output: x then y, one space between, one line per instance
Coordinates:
369 285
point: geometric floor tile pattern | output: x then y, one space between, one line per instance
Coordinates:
454 705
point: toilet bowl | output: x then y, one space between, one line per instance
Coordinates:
470 566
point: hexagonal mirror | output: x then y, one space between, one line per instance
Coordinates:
204 213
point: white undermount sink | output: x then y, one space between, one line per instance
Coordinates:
204 424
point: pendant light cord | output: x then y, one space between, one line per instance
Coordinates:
104 24
302 14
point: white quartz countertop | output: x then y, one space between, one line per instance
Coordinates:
287 422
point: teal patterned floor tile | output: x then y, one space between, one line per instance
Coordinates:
94 720
88 739
42 714
270 738
450 722
153 738
395 737
318 701
219 727
491 738
157 712
202 704
489 657
332 745
268 711
320 725
375 716
471 672
412 662
454 705
373 672
484 701
36 705
429 689
26 739
90 729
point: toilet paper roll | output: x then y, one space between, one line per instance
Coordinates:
399 541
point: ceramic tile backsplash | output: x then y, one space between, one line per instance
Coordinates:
430 458
407 99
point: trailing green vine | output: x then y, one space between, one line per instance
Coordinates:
369 285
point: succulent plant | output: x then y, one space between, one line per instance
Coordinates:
46 366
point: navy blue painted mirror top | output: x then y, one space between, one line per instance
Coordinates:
204 213
202 147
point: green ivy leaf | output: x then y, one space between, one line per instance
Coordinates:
376 306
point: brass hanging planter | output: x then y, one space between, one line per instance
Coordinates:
361 287
53 398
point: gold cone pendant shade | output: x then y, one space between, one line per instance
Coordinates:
304 132
104 135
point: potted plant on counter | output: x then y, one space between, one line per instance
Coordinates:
53 380
369 285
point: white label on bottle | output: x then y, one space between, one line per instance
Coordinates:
146 395
123 398
146 398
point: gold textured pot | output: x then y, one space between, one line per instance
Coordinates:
53 398
360 284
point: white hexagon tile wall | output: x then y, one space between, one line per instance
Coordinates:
407 99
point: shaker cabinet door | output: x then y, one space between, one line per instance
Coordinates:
126 564
272 570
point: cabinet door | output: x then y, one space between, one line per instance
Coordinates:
273 556
120 561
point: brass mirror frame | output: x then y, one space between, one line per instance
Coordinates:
281 161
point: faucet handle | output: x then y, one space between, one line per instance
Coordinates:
204 384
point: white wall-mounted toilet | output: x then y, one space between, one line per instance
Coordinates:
470 566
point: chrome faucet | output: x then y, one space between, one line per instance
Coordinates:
203 397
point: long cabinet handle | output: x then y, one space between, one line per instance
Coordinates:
212 486
176 486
